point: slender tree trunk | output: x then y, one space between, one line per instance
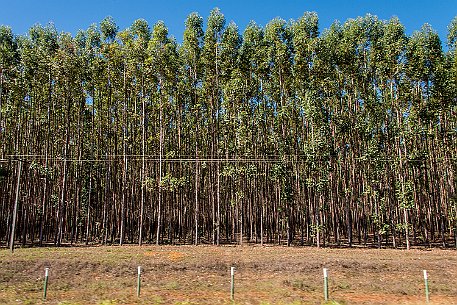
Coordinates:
218 221
88 210
160 174
262 215
143 151
124 173
196 193
63 203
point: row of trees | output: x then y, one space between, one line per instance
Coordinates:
280 134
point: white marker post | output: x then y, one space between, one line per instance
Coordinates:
45 287
138 286
325 284
232 283
427 292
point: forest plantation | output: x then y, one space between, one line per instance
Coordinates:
278 134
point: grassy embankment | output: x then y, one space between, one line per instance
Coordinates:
200 275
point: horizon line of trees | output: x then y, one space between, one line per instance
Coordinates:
280 134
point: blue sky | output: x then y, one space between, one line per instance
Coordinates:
69 15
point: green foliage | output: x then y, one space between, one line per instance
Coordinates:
170 183
423 53
43 171
193 35
45 38
348 123
8 47
452 34
401 227
452 212
140 29
405 194
278 172
108 29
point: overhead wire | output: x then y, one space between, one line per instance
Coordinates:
193 159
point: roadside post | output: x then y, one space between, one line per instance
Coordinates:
325 284
45 287
138 286
427 291
232 283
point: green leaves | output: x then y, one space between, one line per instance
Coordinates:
140 29
423 53
8 47
170 183
192 41
405 194
108 29
43 171
348 123
452 34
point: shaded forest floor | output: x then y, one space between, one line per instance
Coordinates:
201 275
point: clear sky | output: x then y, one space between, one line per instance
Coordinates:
70 15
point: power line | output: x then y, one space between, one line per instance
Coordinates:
164 160
156 158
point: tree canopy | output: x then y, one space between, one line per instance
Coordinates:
279 134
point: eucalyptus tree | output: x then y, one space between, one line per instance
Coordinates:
134 41
140 30
369 119
8 62
38 53
352 50
279 94
125 102
305 42
88 43
190 53
252 71
211 98
8 73
340 136
235 121
390 67
452 99
452 43
9 58
112 110
162 59
69 94
423 55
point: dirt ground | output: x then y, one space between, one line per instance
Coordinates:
201 275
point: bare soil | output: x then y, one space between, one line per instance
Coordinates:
201 275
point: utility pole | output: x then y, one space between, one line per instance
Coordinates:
16 201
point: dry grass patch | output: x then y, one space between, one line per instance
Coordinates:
200 275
